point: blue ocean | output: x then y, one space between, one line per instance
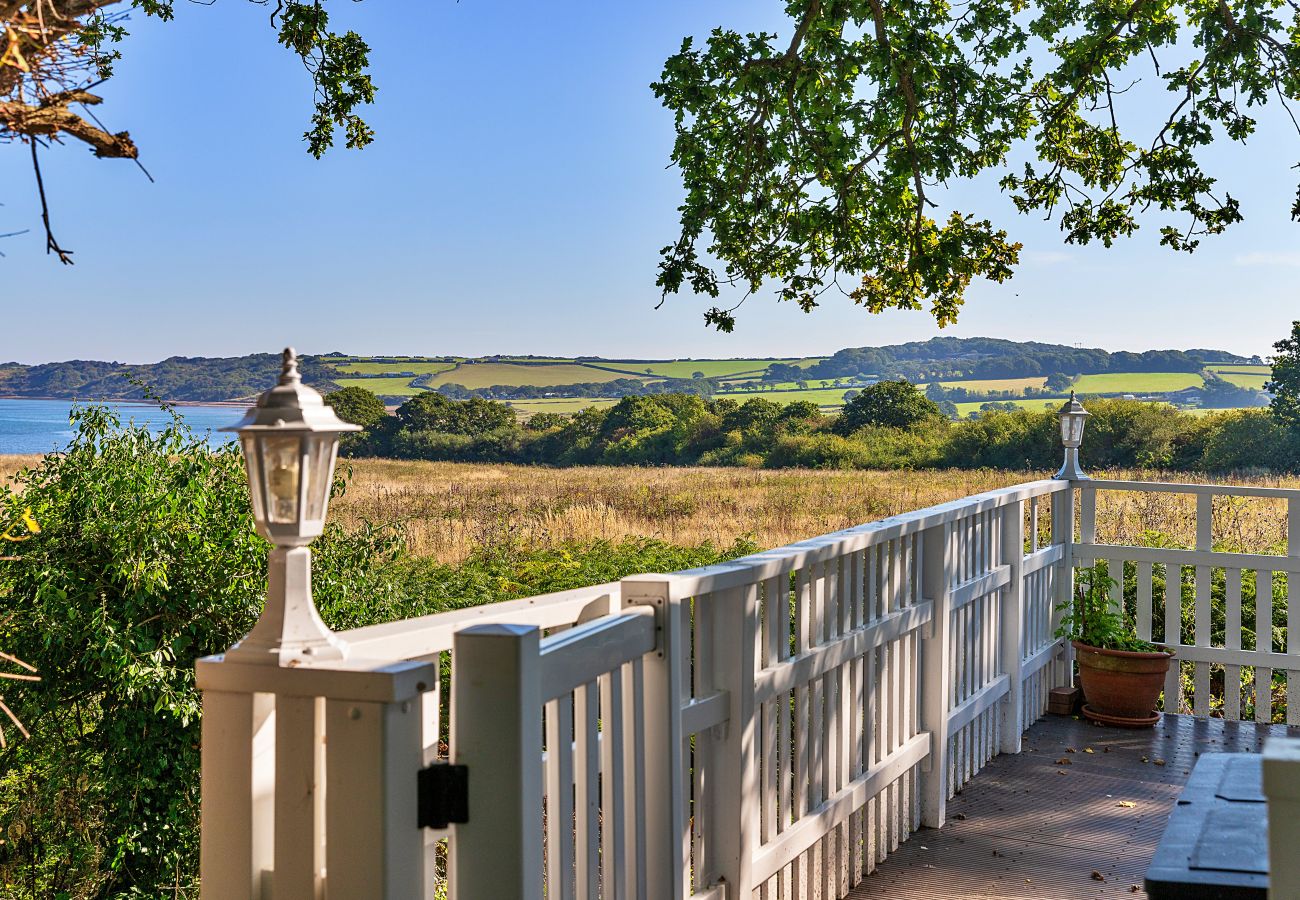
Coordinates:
39 426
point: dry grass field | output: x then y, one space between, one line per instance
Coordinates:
451 509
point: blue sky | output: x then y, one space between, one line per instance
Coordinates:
514 202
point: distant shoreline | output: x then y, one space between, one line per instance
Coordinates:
230 404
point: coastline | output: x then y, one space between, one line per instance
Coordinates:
220 404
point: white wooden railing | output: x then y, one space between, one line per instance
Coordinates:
1219 669
771 727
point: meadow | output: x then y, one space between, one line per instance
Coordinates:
1136 382
378 368
487 374
712 368
397 386
965 409
452 509
985 385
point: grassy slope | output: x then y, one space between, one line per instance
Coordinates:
1241 370
1247 381
481 375
996 384
965 409
1136 382
393 387
378 368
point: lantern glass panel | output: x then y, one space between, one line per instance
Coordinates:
1072 430
255 477
282 466
320 471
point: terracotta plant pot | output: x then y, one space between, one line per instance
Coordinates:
1121 686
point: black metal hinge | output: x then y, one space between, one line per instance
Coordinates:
443 795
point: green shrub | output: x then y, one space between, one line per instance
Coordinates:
146 560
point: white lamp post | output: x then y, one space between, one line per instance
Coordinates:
1073 418
290 440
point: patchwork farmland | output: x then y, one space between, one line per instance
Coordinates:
582 382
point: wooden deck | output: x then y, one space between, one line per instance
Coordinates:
1053 822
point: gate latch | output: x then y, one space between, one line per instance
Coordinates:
443 791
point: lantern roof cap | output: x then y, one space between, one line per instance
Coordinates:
291 406
1073 407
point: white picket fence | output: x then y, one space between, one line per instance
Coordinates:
1246 673
772 727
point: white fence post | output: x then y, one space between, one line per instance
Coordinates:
1011 652
373 843
1063 534
735 805
231 854
496 712
1282 788
936 677
666 824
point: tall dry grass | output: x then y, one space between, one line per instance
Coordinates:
450 509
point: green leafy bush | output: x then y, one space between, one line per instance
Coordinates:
146 560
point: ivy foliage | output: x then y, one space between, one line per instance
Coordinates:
820 158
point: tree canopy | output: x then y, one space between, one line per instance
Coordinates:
818 159
891 404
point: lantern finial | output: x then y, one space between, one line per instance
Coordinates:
289 368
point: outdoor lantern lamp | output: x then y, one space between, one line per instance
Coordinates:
290 440
1073 417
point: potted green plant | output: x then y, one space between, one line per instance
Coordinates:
1121 674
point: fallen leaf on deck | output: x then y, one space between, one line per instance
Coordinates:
1127 804
1097 876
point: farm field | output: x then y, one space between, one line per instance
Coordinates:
379 368
996 384
733 375
1222 369
712 368
1136 382
1037 403
394 387
1256 382
481 375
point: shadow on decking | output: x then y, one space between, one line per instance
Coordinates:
1032 828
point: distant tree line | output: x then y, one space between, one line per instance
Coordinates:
996 358
618 387
197 379
889 425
